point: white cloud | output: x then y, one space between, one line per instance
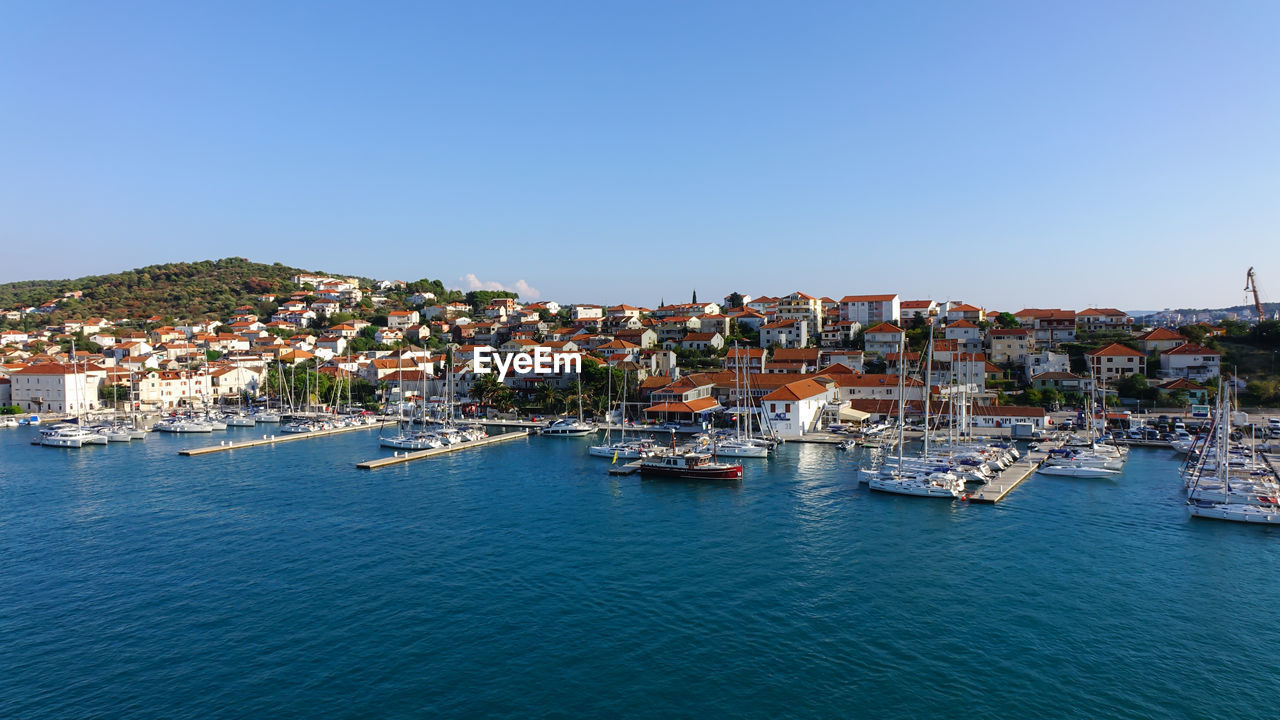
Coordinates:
526 291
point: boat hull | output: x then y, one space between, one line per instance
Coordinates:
1079 472
730 473
1249 514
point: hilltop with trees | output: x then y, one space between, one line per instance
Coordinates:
203 289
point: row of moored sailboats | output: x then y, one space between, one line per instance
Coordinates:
1225 480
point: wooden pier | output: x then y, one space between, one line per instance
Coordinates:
274 439
411 455
625 469
1012 476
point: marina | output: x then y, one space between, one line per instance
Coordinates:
273 439
1011 477
411 455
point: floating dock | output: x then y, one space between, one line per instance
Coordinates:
1010 477
274 439
411 455
625 469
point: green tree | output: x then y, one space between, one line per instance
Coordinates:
1007 320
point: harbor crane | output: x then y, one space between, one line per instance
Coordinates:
1251 285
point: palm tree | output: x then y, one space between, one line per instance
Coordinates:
548 395
504 398
486 388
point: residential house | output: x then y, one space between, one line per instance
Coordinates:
749 319
795 359
853 359
643 337
1061 381
56 387
784 333
1103 319
964 311
804 308
924 308
675 327
795 408
1196 393
967 334
702 341
586 312
750 360
883 339
1191 361
1042 362
402 319
687 400
167 389
233 380
1115 361
1050 326
1009 345
1160 340
839 333
870 310
389 336
665 311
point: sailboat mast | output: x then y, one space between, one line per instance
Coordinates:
928 369
902 398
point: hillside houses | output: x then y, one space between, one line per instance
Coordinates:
784 343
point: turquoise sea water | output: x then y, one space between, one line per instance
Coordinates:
521 580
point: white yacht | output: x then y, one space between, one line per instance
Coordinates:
567 427
182 425
70 436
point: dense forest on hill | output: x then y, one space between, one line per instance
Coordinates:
207 288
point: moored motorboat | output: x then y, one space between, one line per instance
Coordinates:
1080 471
567 427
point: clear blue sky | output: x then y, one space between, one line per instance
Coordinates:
1004 153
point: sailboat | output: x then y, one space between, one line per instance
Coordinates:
73 434
917 479
1095 460
624 449
1221 487
239 418
742 444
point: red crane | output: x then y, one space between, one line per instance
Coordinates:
1251 285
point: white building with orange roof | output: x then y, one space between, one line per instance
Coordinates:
1191 361
784 333
1160 340
1103 319
56 387
883 339
964 311
871 309
805 308
1009 345
1115 361
966 333
402 319
795 408
1051 326
167 389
